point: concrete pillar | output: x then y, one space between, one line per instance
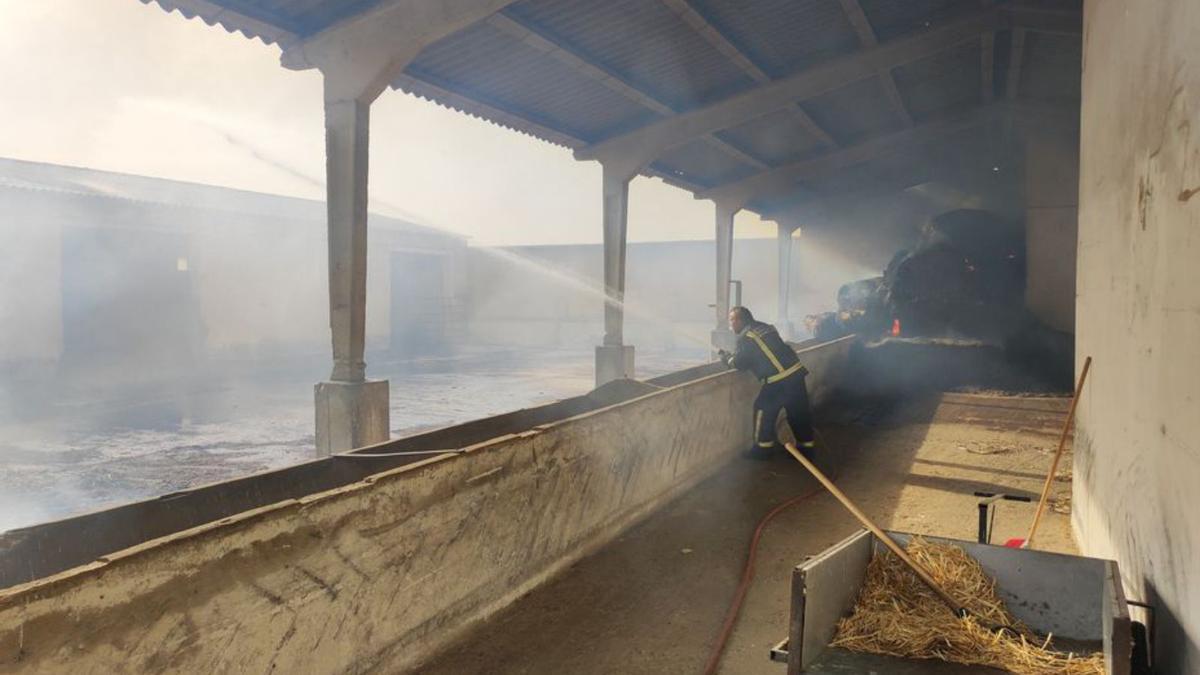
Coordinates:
783 322
722 338
351 411
614 358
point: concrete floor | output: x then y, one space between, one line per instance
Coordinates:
653 600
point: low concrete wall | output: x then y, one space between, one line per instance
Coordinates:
382 572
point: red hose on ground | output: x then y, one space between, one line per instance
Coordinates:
747 576
739 597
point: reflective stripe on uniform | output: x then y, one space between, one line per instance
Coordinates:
784 373
758 415
763 346
766 444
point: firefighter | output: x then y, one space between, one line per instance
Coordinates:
761 351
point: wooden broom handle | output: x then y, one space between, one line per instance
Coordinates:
1062 443
879 533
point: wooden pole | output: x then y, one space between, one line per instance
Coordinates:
1062 442
884 537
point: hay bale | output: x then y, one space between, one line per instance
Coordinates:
897 615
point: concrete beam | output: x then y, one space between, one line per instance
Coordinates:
361 55
646 143
722 44
783 179
866 36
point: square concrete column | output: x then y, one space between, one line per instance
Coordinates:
351 412
722 337
614 358
784 237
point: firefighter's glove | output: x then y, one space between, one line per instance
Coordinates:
725 356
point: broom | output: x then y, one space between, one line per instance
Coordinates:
1017 542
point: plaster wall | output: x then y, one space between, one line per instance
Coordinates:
30 284
382 572
1137 453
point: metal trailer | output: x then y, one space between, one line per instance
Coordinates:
1077 599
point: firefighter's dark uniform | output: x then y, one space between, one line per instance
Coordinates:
761 351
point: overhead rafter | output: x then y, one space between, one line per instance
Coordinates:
556 49
866 35
783 179
717 39
648 142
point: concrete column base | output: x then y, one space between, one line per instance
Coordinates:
723 339
613 362
351 415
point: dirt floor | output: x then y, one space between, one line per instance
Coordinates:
653 600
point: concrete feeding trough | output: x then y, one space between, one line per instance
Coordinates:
1077 599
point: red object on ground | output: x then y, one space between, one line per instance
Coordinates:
895 327
1015 543
739 597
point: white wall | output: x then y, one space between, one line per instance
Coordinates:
30 284
1137 458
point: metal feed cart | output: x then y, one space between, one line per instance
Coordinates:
1075 598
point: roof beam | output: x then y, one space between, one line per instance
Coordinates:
362 54
784 178
1015 56
554 48
866 35
642 145
722 44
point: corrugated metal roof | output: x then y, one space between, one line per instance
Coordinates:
617 65
643 42
854 112
16 174
252 21
700 162
893 18
776 138
783 36
489 65
942 82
